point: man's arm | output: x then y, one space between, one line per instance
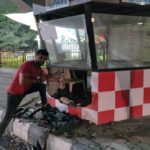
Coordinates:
25 79
45 76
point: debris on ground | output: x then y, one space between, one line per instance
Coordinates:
127 134
11 142
59 123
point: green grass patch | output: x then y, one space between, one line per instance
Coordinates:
12 62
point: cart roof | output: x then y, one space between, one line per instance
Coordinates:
74 7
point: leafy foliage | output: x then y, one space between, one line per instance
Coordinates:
14 36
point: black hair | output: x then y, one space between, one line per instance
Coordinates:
42 51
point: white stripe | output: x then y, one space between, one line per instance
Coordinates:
1 112
58 143
20 129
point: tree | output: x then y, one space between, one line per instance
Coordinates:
14 36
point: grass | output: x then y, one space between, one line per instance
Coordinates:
12 61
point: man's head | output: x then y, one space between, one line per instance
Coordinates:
41 56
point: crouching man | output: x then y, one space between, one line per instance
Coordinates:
28 79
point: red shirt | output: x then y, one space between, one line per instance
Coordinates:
28 67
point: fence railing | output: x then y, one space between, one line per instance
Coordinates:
13 59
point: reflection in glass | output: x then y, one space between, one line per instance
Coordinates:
122 41
67 42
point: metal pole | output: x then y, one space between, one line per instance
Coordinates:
90 33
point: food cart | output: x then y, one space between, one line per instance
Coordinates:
101 47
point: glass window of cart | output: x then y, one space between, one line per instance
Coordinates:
67 42
121 41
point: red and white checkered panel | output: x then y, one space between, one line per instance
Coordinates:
122 80
51 101
116 96
94 82
106 81
90 115
94 104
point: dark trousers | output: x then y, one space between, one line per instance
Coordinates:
13 102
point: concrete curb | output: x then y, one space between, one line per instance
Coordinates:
33 134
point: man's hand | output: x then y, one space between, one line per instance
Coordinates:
41 78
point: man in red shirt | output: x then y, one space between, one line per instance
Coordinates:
28 79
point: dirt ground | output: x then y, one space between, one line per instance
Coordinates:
130 134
